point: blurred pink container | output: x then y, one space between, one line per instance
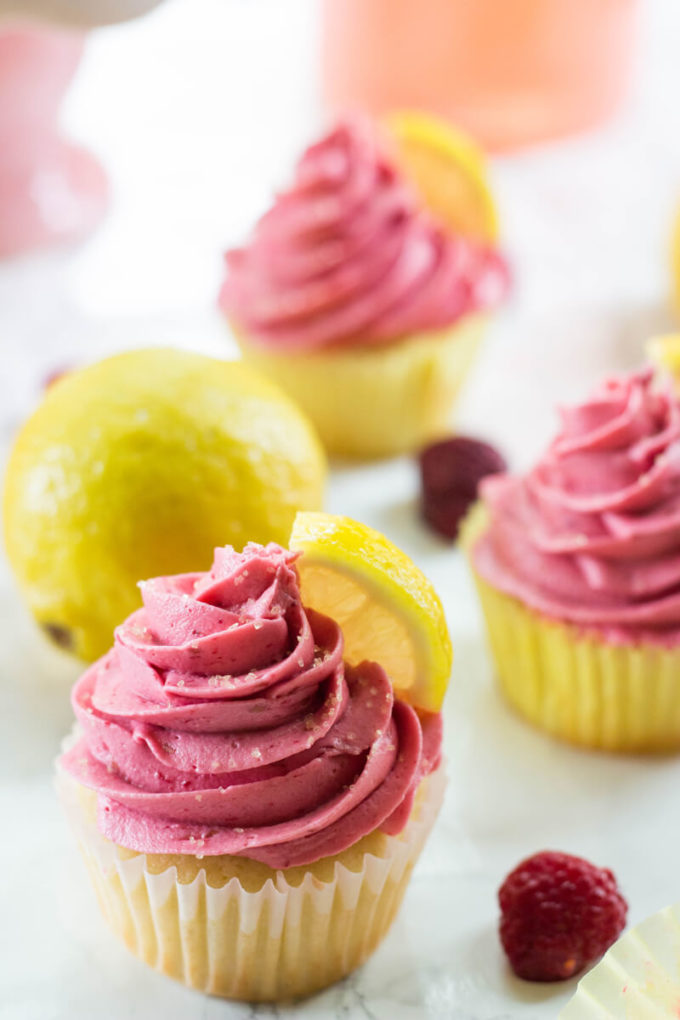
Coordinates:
511 72
50 190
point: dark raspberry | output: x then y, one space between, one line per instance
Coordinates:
559 914
444 513
450 472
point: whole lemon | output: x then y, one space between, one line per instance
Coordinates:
139 466
675 262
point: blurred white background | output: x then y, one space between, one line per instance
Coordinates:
198 112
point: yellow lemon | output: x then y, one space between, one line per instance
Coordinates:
388 610
675 262
139 466
449 172
664 352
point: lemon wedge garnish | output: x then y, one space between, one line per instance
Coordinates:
388 610
449 172
664 352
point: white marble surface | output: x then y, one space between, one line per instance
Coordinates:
197 110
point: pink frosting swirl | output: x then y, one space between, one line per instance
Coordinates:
592 534
224 721
347 255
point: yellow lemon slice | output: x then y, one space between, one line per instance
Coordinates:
664 352
388 610
449 172
675 262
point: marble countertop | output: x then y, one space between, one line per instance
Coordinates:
163 101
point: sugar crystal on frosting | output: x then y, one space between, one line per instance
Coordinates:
294 707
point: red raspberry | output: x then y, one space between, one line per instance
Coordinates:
445 513
450 471
559 914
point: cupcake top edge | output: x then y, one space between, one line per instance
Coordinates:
224 721
591 535
347 255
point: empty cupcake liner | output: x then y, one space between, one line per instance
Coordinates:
638 978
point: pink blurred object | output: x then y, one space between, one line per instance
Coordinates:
510 72
50 189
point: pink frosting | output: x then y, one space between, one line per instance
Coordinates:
347 255
224 721
592 534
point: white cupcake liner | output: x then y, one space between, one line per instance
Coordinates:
638 978
280 942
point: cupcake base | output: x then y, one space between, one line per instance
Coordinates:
238 929
581 688
376 401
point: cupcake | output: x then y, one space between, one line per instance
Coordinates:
675 263
358 301
577 565
249 805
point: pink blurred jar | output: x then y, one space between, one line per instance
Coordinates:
511 72
50 190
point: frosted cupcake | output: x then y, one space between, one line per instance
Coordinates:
578 569
357 301
249 806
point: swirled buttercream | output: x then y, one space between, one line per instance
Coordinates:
348 255
224 721
591 535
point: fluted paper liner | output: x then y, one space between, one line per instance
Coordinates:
574 685
638 978
295 934
376 400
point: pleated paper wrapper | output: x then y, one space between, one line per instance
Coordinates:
638 978
281 942
376 400
578 686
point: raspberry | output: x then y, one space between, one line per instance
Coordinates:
559 914
445 513
450 471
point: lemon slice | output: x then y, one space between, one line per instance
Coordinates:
449 172
675 262
664 352
387 609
